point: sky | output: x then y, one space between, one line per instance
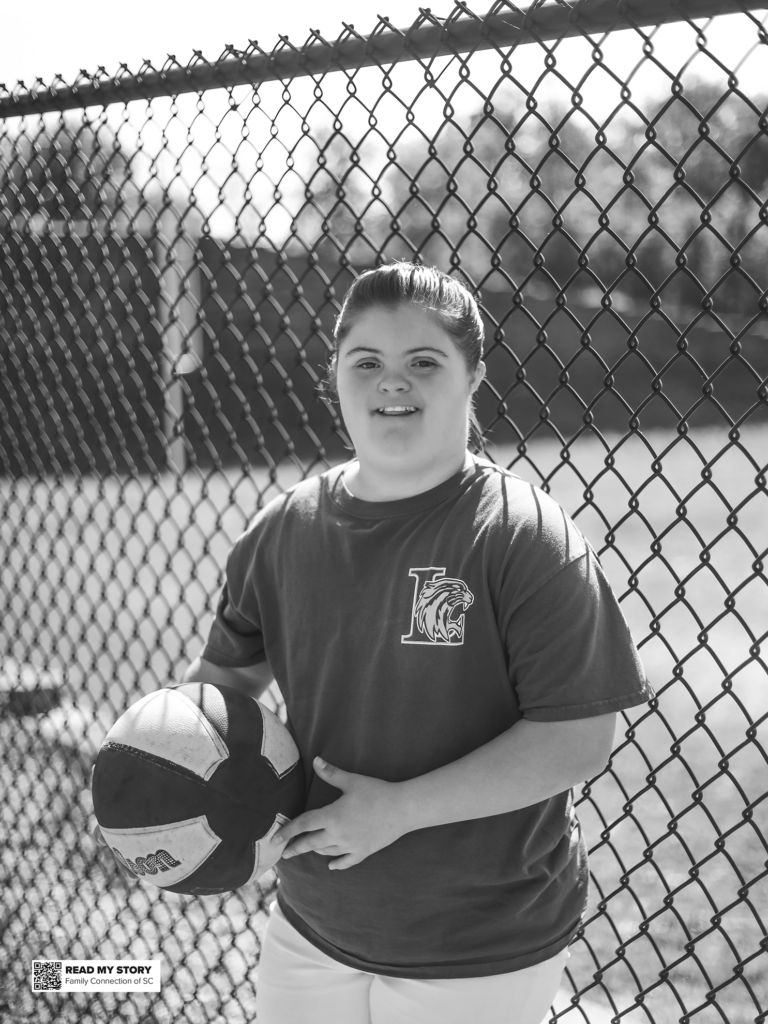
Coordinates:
50 37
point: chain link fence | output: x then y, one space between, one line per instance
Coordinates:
174 244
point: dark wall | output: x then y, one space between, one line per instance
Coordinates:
268 324
615 370
81 382
79 344
270 319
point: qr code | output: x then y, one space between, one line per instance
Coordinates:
46 975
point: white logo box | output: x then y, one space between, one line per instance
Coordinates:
96 975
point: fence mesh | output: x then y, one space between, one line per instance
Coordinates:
174 244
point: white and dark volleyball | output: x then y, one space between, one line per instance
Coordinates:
190 785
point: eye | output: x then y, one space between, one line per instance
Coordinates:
423 364
367 364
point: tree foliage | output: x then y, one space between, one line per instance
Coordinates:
669 200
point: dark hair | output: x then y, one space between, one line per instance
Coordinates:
443 297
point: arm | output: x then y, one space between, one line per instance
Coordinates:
251 680
530 762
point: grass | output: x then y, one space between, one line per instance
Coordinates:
112 584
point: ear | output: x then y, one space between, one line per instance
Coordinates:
478 376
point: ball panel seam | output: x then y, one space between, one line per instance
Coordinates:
166 717
161 762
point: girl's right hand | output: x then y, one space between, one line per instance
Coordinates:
128 876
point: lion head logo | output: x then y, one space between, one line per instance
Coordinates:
435 607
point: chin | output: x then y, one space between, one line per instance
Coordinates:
409 457
394 453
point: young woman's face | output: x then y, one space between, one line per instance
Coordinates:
404 389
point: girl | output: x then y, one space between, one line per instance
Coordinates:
451 659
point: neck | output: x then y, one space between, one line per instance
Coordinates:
389 483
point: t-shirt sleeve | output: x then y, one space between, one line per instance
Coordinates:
235 639
570 651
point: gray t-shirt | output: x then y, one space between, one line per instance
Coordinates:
403 635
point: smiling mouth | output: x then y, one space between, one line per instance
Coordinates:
396 410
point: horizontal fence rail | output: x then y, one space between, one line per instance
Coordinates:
174 248
508 28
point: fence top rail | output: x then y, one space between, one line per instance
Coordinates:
505 25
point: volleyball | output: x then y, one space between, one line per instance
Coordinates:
190 785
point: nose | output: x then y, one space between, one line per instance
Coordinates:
393 382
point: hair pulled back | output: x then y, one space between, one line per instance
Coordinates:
442 297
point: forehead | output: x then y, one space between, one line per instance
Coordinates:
397 329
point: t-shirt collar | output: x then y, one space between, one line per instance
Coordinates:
341 496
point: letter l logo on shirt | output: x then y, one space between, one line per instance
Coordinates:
435 598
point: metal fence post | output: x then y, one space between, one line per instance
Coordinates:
179 303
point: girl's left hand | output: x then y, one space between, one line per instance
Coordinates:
367 817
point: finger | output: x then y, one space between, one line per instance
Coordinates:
348 860
98 837
332 775
122 870
305 843
324 851
127 876
309 821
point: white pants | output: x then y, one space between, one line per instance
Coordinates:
298 984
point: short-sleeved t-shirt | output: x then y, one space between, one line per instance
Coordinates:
403 635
